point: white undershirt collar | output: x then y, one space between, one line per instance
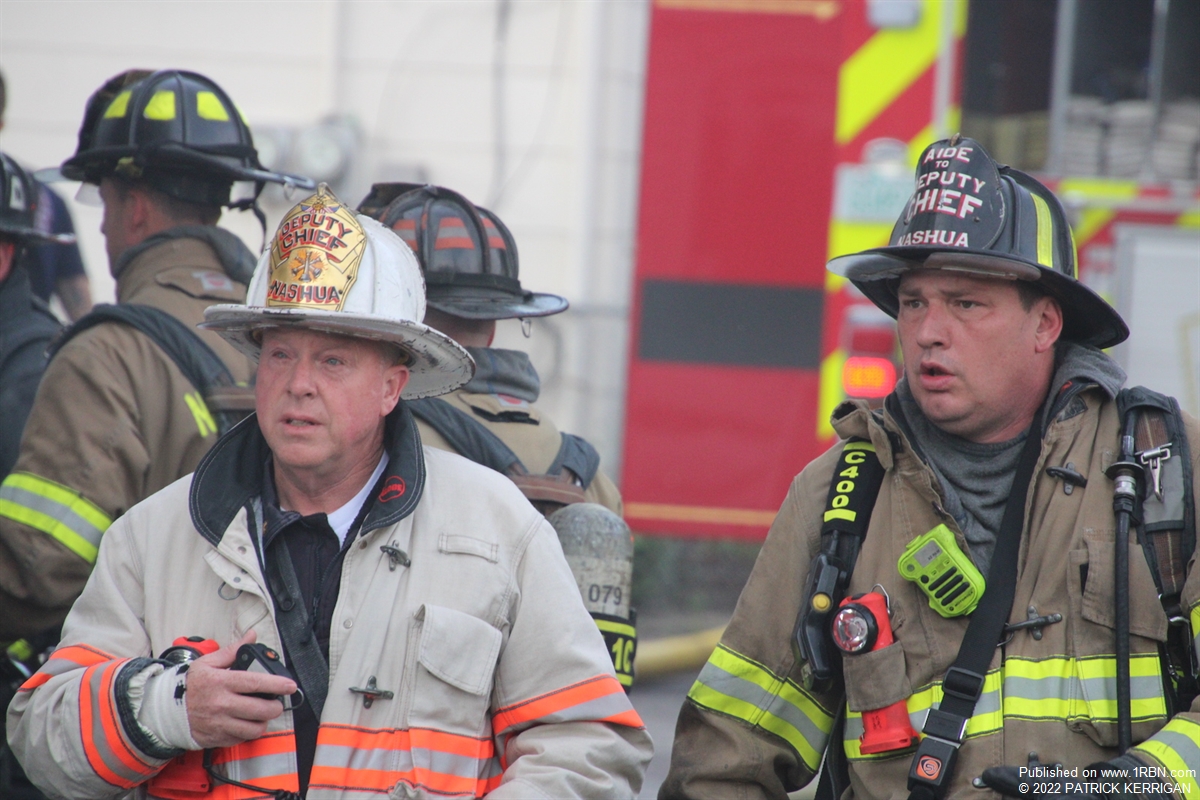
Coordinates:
341 519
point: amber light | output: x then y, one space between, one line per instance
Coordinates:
868 377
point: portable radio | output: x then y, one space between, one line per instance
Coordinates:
943 572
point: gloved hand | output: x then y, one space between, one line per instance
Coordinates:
1018 782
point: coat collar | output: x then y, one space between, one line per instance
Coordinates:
231 475
183 244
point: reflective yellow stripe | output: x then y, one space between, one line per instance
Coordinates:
56 510
1177 748
1050 689
204 419
732 684
879 71
988 717
161 106
1045 233
1099 675
20 650
120 104
209 106
621 628
1195 617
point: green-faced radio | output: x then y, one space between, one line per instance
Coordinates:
851 500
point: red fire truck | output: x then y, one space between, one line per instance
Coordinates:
779 133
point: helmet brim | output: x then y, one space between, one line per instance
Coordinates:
482 304
1087 318
439 364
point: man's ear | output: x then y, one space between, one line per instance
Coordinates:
140 212
1049 323
395 378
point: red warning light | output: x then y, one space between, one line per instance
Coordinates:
868 377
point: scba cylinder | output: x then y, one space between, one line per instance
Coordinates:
599 549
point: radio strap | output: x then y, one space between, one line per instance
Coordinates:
292 621
946 726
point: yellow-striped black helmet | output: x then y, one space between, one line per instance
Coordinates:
970 214
177 131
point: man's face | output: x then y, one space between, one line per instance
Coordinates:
116 224
978 363
322 399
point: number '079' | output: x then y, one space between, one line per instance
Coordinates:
604 594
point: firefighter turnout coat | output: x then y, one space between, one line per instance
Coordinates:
749 728
114 421
502 685
527 431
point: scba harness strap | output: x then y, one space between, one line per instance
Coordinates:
224 402
1167 528
576 458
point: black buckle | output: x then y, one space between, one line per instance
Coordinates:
944 725
932 765
963 684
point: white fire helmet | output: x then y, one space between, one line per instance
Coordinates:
329 269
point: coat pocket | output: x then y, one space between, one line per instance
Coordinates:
1093 640
876 679
456 661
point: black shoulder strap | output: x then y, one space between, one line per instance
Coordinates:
469 437
196 360
291 619
946 726
577 455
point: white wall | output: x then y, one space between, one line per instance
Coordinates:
418 78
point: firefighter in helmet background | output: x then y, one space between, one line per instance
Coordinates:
115 418
469 259
1006 393
26 322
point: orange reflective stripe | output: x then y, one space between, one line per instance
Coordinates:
397 739
35 680
108 752
81 654
601 699
269 744
370 759
382 780
268 761
64 660
629 718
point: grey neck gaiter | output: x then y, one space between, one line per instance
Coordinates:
504 372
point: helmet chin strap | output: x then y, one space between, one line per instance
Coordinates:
251 204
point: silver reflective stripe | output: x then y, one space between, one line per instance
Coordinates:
729 684
47 514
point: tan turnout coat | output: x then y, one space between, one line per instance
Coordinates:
536 443
114 421
750 729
